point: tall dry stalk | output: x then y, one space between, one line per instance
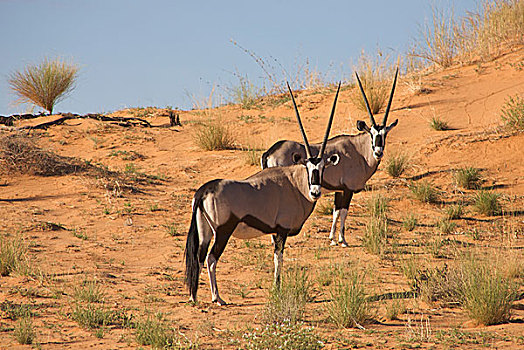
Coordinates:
44 84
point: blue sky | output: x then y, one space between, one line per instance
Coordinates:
160 53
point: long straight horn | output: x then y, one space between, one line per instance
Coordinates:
390 99
366 100
323 148
308 149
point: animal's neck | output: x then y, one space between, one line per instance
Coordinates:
365 148
299 178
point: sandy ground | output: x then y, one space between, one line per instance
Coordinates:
132 242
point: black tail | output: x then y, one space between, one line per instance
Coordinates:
192 273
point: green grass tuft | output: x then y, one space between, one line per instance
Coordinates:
487 203
467 177
513 113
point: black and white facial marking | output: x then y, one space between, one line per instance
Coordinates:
378 135
315 170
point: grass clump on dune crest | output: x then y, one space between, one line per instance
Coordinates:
44 84
213 136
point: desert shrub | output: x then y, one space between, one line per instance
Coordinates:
349 306
467 177
438 124
513 113
245 93
18 153
487 203
377 206
396 165
487 33
487 295
286 336
446 226
44 84
213 136
24 331
89 291
437 41
374 75
287 303
454 211
96 316
13 255
409 222
153 332
424 192
374 239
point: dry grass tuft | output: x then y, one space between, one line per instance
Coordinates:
374 75
44 84
513 113
214 136
19 154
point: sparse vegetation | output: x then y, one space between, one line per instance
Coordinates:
152 331
513 113
287 303
349 306
396 165
446 226
424 192
454 211
89 291
487 203
253 155
395 308
245 93
286 336
375 235
324 207
213 136
94 316
377 206
24 331
13 255
374 74
409 222
44 84
438 124
467 177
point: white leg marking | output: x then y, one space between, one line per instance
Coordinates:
211 270
336 214
341 237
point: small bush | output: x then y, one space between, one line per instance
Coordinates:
213 136
467 177
95 316
409 222
287 303
487 295
13 255
24 331
89 291
375 236
513 113
377 206
487 203
153 332
396 165
373 75
349 306
438 124
446 226
286 336
424 192
45 84
454 211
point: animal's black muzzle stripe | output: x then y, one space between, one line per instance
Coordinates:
315 177
379 141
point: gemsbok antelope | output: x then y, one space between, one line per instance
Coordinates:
359 155
274 201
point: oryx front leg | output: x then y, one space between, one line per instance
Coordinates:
342 201
336 215
280 241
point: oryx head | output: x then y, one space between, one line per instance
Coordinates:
378 132
315 165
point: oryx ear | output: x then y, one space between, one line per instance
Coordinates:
362 126
333 159
296 158
392 125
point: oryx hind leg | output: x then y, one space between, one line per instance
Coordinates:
205 233
340 211
222 235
